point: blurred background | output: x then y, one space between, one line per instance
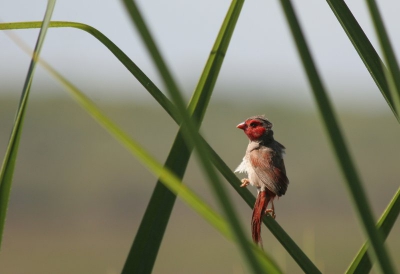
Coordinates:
78 196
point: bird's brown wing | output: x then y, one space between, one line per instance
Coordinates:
270 169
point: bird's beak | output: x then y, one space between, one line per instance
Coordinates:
242 126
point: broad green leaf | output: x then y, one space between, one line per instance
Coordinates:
8 166
339 146
362 262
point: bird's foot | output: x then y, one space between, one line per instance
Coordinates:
245 182
271 211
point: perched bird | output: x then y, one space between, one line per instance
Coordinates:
263 163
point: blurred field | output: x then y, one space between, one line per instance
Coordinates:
78 196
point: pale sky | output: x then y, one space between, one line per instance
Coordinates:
261 53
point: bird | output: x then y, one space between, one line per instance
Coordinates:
264 165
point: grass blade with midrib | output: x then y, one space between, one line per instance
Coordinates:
8 166
339 146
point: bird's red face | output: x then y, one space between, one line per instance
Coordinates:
253 128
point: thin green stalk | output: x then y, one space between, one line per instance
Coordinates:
214 63
364 48
362 262
393 72
291 247
145 247
342 153
7 169
190 132
137 19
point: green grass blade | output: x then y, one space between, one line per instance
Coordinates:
7 168
212 68
297 254
190 131
362 262
393 72
145 247
144 250
342 153
364 48
140 24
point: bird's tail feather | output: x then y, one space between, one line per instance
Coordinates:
258 212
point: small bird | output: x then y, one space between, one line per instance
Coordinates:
263 163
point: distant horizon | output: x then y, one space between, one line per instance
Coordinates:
366 106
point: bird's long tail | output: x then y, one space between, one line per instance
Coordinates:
263 198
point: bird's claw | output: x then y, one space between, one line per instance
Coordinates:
271 211
245 182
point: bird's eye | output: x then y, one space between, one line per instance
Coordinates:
253 124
